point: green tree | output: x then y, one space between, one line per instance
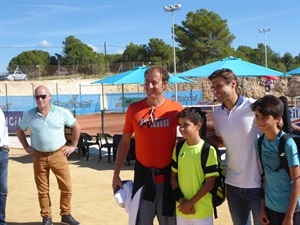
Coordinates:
155 52
288 61
30 62
245 53
134 53
159 52
297 60
273 58
115 61
80 56
204 37
260 55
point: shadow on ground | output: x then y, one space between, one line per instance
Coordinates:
29 223
92 163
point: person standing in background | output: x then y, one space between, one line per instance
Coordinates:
235 127
49 150
153 122
4 142
268 86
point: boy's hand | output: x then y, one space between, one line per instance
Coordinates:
186 207
263 217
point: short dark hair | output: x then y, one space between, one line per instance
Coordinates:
191 114
227 74
268 105
162 70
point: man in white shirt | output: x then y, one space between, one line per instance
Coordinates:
235 127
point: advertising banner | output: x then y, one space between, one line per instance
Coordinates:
13 118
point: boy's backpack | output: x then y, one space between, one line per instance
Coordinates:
218 192
287 128
283 160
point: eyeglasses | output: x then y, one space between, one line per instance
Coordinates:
152 117
37 97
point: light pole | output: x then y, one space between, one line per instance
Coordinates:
58 69
265 30
172 8
39 71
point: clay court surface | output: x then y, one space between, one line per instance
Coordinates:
92 202
113 123
92 124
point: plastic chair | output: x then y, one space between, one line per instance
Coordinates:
68 135
116 141
85 141
106 141
131 151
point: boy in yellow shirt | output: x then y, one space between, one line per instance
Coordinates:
190 184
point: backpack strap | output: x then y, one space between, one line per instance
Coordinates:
204 157
259 150
178 147
281 154
259 144
286 117
204 154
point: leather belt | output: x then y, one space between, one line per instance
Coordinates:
49 153
3 149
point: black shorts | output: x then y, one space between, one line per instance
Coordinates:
276 218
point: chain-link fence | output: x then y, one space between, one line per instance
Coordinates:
63 71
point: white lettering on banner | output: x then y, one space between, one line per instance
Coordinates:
13 119
186 98
295 113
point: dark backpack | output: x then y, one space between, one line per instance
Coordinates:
218 192
287 128
283 160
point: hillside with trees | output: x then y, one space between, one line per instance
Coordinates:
202 38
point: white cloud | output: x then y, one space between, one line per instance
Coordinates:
119 51
45 43
95 49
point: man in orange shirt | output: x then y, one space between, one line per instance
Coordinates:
153 122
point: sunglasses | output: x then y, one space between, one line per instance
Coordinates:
37 97
152 117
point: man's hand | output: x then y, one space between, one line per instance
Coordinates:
67 150
116 182
31 151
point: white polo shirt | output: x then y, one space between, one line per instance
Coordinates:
239 131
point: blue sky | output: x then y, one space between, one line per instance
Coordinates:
44 24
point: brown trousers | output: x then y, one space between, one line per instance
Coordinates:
58 164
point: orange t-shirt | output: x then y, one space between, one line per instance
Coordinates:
154 144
